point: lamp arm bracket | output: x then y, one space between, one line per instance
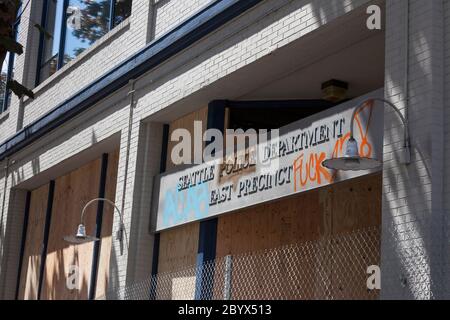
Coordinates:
385 102
105 200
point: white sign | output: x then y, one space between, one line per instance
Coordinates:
290 165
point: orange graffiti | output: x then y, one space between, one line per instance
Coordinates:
309 169
365 148
339 146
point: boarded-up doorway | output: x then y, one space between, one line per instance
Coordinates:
70 193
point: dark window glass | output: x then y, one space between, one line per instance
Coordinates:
51 39
122 11
73 26
7 72
3 80
273 117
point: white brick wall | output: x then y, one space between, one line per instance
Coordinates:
413 214
169 13
446 118
135 263
11 241
106 53
25 36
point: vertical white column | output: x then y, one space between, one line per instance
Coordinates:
412 195
131 260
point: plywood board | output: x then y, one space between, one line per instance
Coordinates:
255 230
178 252
72 192
303 221
186 122
29 278
272 225
356 206
178 248
109 215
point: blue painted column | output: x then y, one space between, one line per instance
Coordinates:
98 227
23 243
48 217
206 254
155 262
157 236
208 229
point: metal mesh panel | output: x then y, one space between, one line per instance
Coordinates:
330 268
334 267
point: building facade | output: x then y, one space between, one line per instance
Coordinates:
113 80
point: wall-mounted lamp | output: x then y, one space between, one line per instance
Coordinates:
352 161
334 90
81 236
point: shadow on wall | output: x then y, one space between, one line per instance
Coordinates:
326 10
157 4
409 234
36 166
55 287
56 275
9 240
114 283
74 137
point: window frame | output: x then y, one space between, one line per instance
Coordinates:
62 39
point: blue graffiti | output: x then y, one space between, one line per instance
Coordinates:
187 205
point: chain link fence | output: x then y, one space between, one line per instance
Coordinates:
331 268
334 267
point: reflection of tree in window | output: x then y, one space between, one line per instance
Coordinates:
94 21
51 41
73 26
3 79
7 73
94 25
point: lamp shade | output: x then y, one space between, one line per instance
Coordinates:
351 160
80 236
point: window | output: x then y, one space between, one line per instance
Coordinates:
7 73
122 10
72 26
